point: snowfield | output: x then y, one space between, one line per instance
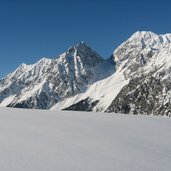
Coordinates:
33 140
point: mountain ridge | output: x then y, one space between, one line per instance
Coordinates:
81 76
53 79
135 61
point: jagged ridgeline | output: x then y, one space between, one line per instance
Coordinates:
136 79
49 81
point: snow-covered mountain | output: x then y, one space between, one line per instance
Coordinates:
141 83
147 59
135 79
43 84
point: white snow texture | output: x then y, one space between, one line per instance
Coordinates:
39 140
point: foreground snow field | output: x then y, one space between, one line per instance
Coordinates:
75 141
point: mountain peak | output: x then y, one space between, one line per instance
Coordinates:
22 67
44 60
151 36
143 34
138 50
79 46
82 43
84 51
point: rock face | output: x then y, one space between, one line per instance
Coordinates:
83 105
144 95
50 80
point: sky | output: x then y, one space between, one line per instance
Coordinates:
30 30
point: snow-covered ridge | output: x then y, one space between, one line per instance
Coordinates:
144 55
146 58
46 82
80 77
139 49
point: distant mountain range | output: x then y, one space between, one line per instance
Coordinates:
136 79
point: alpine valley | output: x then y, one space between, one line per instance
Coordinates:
136 79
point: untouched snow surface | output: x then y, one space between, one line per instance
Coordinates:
33 140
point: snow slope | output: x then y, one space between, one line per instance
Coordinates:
103 91
39 140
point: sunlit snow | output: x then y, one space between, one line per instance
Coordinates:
33 140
